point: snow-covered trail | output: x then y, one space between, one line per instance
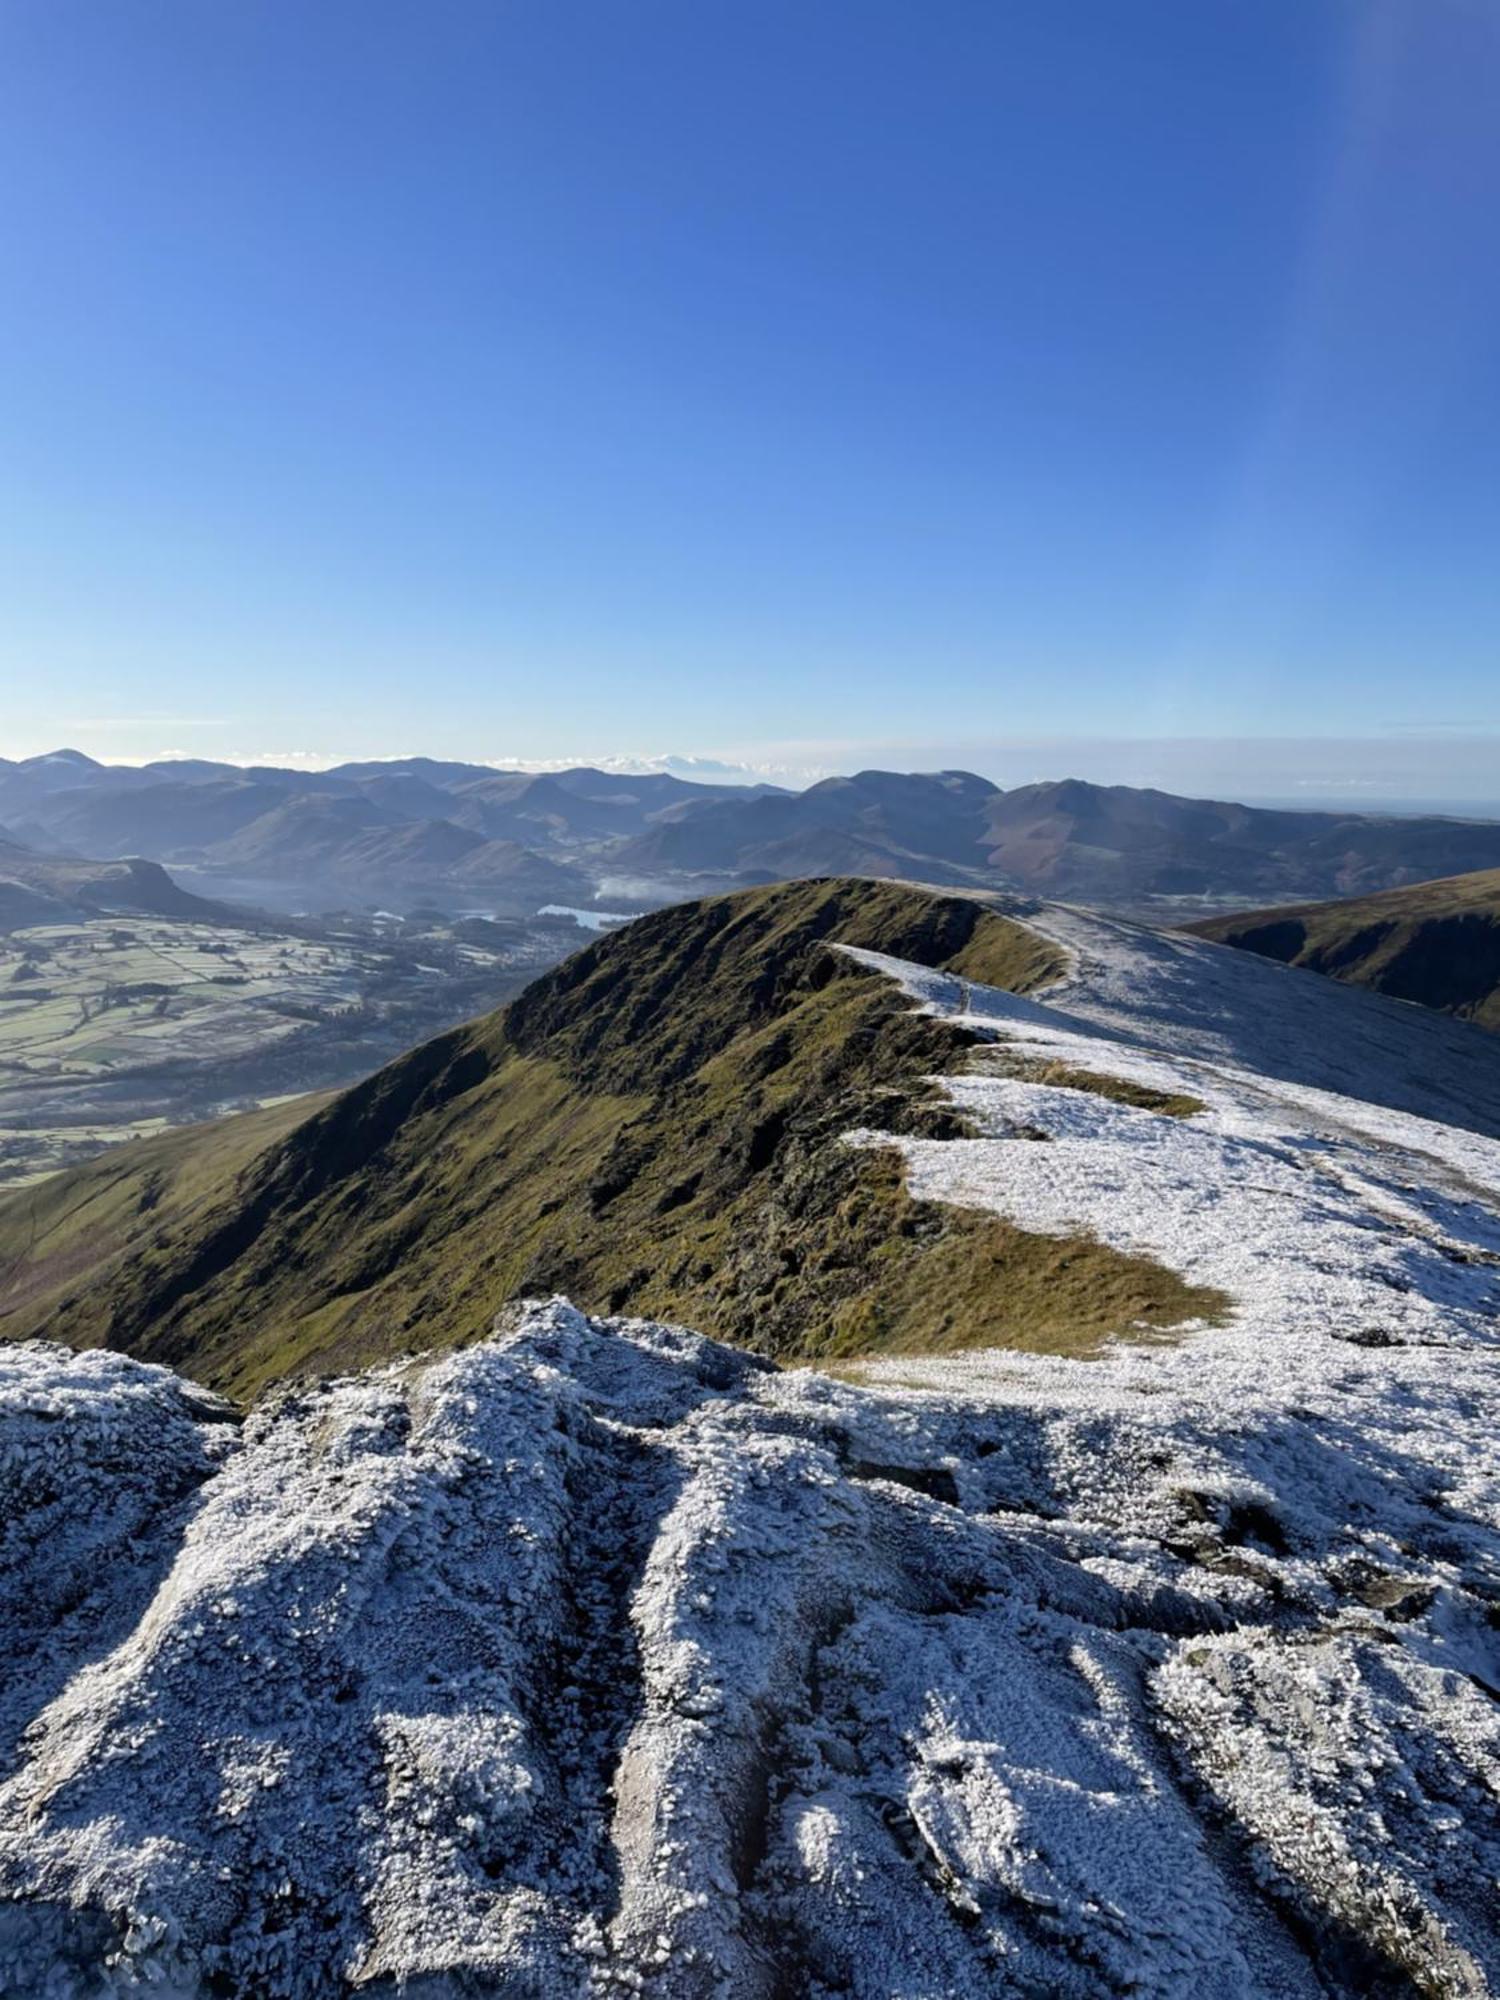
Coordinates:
1326 1217
1205 1001
598 1657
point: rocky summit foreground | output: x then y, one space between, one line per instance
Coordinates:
602 1657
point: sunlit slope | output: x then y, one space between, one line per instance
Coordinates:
66 1236
1437 943
657 1126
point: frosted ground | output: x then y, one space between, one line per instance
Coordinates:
601 1658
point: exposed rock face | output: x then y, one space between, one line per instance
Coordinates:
600 1657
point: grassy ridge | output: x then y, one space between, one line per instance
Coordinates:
655 1126
1437 943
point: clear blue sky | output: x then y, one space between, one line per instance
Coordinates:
817 380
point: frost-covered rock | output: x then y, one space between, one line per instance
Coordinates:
599 1657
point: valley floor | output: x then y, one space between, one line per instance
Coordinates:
112 1028
599 1657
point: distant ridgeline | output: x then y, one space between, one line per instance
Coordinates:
44 889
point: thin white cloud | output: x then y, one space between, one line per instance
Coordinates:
149 722
283 760
699 767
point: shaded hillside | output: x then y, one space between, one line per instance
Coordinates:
350 843
656 1125
1437 943
880 822
1112 845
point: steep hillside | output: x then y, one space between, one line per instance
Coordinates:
1437 943
658 1125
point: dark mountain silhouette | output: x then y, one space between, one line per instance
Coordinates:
1114 844
880 822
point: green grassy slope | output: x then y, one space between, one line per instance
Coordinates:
656 1126
1436 942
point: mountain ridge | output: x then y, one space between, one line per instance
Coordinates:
648 839
661 1124
43 888
594 1653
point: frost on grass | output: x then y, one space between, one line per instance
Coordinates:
600 1658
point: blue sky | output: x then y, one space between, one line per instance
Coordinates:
796 384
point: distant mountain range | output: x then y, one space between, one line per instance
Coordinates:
455 833
403 830
1437 943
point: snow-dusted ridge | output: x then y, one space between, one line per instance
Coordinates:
598 1657
1322 1213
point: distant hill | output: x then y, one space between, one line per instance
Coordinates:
419 826
410 827
56 770
41 889
1114 845
878 822
1437 943
1110 845
182 820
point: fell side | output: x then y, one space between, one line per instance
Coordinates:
656 1126
1437 943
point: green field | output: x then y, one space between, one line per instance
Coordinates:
114 1028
